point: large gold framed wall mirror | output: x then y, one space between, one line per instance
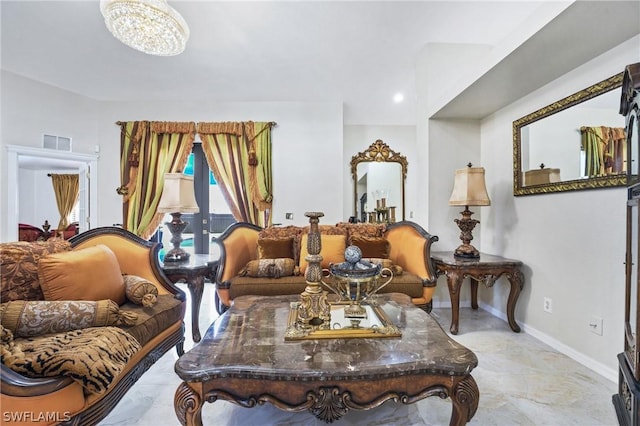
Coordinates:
573 144
378 176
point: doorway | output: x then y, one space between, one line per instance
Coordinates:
21 158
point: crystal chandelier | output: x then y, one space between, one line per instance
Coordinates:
150 26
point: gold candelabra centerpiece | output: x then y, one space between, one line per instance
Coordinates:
314 309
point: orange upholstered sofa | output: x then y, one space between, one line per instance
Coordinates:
150 324
247 265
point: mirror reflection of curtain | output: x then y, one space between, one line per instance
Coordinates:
605 150
239 155
66 188
148 150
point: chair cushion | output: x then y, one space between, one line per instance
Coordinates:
155 319
91 273
19 268
406 283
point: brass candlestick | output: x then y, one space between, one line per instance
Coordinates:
314 309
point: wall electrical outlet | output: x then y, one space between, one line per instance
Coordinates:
595 324
547 306
288 216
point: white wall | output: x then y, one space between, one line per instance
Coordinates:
30 109
307 143
572 243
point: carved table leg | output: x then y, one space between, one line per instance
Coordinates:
196 288
474 292
465 398
454 282
188 406
516 279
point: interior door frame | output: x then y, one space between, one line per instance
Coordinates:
89 162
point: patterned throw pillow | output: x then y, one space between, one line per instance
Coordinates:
274 248
34 318
92 273
19 268
363 229
140 290
269 268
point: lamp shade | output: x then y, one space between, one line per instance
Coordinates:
469 188
178 195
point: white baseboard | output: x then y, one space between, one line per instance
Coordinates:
605 371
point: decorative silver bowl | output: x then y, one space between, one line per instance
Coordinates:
355 281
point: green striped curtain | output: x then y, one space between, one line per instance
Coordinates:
148 150
239 155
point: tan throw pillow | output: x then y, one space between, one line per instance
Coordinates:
332 250
92 273
372 246
269 268
275 248
140 291
34 318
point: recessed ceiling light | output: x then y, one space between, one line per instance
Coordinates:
398 97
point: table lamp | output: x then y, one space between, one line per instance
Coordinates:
178 197
469 189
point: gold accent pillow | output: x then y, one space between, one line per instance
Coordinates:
92 273
269 268
140 290
372 246
34 318
332 250
275 248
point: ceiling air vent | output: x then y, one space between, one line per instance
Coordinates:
59 143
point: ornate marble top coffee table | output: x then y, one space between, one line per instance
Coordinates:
244 358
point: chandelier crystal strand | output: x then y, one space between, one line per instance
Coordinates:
150 26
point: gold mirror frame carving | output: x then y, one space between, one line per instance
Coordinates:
377 152
570 185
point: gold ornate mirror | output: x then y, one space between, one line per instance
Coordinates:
572 144
378 175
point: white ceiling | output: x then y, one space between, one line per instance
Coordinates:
358 53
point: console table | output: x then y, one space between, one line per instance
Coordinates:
487 269
194 272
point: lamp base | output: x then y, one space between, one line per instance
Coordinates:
176 226
466 225
174 255
466 251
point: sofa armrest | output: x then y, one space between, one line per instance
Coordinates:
411 249
238 245
15 384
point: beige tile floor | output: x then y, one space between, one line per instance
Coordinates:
522 381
